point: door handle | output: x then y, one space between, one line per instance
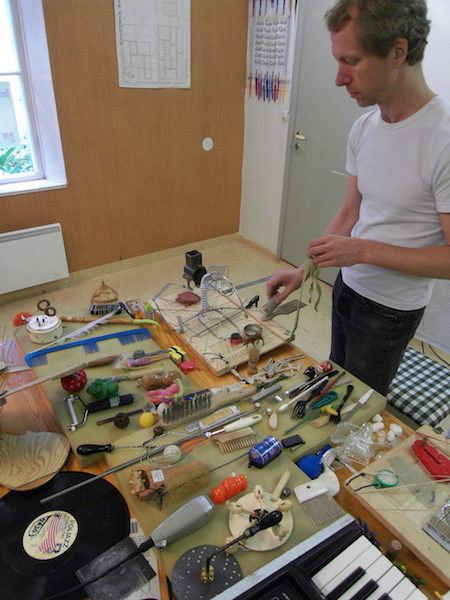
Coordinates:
299 137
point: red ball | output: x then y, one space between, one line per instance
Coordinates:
74 382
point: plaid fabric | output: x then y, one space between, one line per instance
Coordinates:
421 389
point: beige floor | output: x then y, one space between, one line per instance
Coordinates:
143 277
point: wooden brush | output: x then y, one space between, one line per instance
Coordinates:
235 440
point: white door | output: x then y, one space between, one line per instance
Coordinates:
323 115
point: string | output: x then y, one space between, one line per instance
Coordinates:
309 270
408 485
306 267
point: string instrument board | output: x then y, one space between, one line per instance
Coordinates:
208 331
406 508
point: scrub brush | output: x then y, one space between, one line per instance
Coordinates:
169 485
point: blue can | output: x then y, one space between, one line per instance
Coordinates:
264 452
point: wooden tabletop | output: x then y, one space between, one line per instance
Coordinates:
31 410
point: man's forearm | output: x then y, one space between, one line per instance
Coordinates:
432 261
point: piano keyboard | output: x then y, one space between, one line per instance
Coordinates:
337 563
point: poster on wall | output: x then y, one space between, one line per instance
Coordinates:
270 49
153 42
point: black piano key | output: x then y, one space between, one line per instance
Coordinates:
288 585
366 591
314 560
346 584
385 597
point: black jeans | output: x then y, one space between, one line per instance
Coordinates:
367 338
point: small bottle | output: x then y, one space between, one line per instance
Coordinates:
253 358
394 548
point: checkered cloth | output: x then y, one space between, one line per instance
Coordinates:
421 389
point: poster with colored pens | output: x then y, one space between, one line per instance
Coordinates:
271 37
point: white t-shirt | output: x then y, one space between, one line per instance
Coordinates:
403 172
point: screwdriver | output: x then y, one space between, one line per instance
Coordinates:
88 449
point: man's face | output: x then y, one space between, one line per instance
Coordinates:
369 79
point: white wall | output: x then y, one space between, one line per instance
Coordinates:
437 54
265 139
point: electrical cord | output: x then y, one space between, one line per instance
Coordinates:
433 351
438 356
149 543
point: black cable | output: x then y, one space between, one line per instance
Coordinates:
140 549
439 357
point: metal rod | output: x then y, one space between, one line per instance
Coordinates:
133 461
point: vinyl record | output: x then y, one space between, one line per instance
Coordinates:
42 545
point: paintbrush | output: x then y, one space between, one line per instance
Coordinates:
99 362
115 320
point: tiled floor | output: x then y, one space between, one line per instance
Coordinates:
145 276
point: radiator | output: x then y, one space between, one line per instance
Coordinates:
31 256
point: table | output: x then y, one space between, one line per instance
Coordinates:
32 410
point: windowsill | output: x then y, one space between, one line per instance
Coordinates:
28 187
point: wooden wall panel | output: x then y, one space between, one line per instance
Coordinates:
139 180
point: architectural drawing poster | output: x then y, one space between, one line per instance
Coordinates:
153 42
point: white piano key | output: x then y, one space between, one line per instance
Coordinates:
374 572
346 557
388 582
364 560
417 595
403 590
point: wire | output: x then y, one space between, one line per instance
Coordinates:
422 346
438 356
149 543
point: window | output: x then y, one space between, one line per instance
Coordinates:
31 156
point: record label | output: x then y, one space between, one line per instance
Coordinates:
50 535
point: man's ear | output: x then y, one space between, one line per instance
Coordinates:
400 51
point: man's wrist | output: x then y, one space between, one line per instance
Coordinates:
367 251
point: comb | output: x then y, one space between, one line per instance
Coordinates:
236 440
320 507
90 345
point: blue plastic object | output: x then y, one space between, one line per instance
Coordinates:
311 465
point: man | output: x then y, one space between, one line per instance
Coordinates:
392 234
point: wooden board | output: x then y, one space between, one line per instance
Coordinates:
91 433
405 509
28 461
209 453
217 530
194 195
207 331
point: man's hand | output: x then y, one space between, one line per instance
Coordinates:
336 251
288 280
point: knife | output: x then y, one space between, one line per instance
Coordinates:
356 406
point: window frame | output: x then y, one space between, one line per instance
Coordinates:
29 25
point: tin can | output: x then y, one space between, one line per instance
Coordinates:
264 452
